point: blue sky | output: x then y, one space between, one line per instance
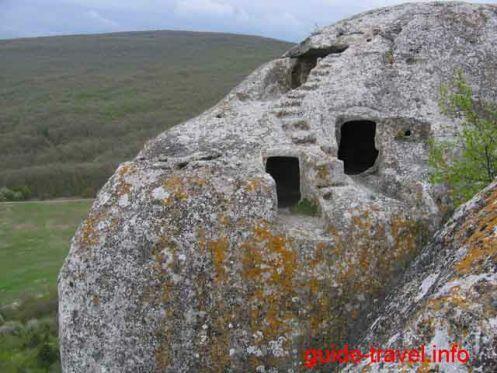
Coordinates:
283 19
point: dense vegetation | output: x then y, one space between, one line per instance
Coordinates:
72 108
28 336
34 239
469 162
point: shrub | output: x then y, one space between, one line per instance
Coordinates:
389 57
467 163
24 190
7 194
28 337
14 194
305 207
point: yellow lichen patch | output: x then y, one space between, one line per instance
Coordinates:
285 287
313 285
262 233
162 293
477 255
269 269
122 187
224 220
284 263
252 185
164 353
115 223
181 188
219 343
482 241
333 231
455 299
425 328
89 233
363 261
95 300
405 234
424 367
197 181
177 186
126 169
165 262
251 262
323 172
218 249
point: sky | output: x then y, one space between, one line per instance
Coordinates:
290 20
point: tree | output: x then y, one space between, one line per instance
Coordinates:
467 163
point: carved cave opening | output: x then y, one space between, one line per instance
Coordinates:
357 148
286 173
308 61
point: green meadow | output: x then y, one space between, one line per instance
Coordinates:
34 240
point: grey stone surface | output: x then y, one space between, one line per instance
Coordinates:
185 263
448 296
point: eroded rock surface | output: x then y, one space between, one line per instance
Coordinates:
449 294
185 262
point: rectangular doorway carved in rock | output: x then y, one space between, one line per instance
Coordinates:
357 146
286 173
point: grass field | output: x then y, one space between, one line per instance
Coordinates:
73 107
34 240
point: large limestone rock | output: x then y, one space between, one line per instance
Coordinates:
186 263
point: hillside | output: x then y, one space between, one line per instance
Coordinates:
72 108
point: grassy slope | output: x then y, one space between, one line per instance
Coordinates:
72 108
34 239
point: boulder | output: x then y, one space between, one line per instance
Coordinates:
191 259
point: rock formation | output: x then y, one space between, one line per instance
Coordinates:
449 294
191 259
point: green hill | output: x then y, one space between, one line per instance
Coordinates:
73 107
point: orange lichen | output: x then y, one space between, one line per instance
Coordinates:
126 169
122 187
323 172
88 233
219 344
452 300
181 188
218 249
164 353
424 367
482 240
163 294
224 220
252 185
177 186
321 292
362 261
269 269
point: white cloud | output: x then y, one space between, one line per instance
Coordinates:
96 16
284 19
121 5
187 8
